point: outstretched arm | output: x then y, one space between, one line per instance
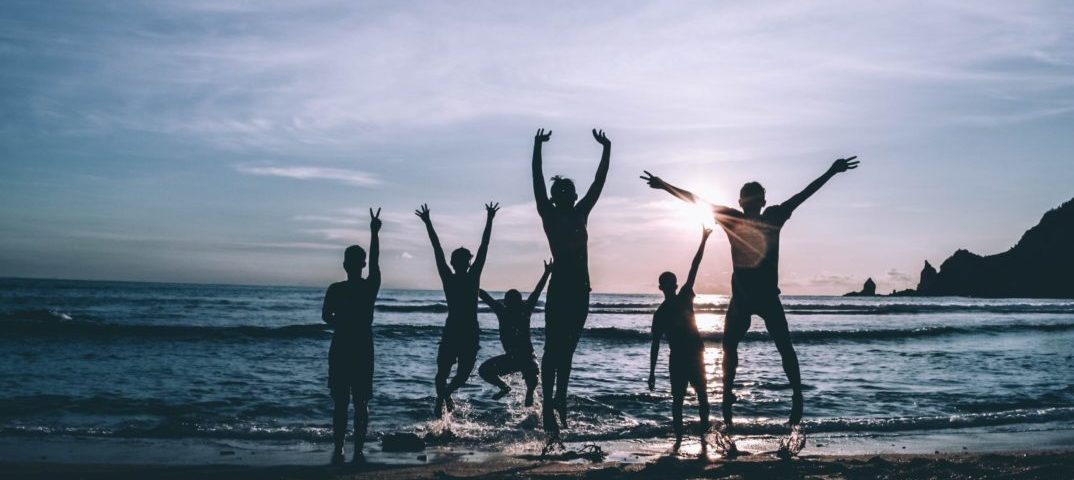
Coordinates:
374 251
438 251
840 166
654 352
483 250
494 304
684 195
689 285
540 192
531 302
589 201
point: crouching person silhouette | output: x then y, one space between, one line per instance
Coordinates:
513 316
348 309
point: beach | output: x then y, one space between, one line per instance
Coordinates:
996 465
125 379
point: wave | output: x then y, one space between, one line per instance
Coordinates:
647 308
58 324
825 336
499 430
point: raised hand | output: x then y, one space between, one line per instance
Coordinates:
491 208
653 180
601 138
423 213
705 231
374 220
844 164
548 266
542 137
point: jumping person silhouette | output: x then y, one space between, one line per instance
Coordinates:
348 309
459 342
567 304
754 239
513 316
675 319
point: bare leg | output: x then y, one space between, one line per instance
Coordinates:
490 371
341 400
548 387
776 322
701 389
361 427
676 420
735 326
444 360
462 372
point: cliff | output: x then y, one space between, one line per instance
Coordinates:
1040 265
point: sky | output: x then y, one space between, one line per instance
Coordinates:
242 142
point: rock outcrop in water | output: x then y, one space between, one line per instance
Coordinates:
1040 265
867 290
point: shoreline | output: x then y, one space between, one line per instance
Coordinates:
1012 464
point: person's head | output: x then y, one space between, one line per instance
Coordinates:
460 260
512 299
751 197
668 283
563 194
354 260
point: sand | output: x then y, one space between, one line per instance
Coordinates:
1011 465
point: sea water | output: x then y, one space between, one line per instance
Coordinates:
158 361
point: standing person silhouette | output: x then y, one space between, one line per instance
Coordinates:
459 341
754 238
348 309
513 316
567 304
686 364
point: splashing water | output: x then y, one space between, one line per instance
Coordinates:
792 445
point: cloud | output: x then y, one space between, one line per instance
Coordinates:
350 177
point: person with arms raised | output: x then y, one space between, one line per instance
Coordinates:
460 339
567 304
753 234
348 309
513 316
686 364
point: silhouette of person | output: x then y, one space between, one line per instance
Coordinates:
754 238
567 303
675 320
513 316
459 341
348 309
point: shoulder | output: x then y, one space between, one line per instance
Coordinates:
776 212
687 293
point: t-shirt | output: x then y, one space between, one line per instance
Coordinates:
352 303
754 249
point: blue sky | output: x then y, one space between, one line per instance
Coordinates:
241 141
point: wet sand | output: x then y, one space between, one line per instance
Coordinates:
1019 465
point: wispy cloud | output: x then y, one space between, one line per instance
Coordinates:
350 177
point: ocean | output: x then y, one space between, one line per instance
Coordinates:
107 360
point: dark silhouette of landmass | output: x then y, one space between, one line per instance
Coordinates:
867 290
1038 266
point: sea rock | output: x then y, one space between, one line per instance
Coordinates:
867 290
